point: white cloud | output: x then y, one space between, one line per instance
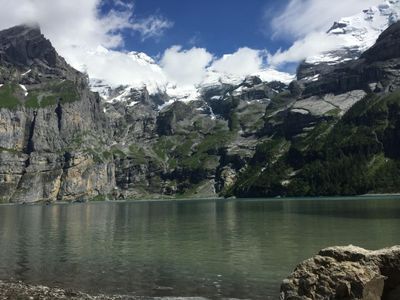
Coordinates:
243 62
186 67
76 22
301 17
66 23
307 21
77 28
118 68
313 44
151 27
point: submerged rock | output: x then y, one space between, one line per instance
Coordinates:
346 273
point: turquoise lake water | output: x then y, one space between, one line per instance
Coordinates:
212 248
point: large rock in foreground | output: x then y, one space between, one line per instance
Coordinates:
346 273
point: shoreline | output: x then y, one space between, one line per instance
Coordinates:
24 291
200 199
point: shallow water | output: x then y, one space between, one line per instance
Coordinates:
215 249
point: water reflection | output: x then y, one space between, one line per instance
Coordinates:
216 249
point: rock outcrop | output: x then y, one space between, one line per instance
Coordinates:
49 124
346 273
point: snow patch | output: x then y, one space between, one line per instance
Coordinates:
213 116
133 103
27 72
24 89
312 78
274 75
300 111
216 98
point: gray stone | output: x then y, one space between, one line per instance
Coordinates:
346 273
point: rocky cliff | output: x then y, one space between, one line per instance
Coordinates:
49 124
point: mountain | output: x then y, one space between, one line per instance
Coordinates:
339 136
336 134
353 35
45 109
157 82
60 141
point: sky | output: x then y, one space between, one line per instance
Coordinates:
221 26
186 39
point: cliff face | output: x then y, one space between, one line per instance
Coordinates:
48 121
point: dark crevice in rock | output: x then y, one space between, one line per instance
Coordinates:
390 268
59 113
67 160
30 147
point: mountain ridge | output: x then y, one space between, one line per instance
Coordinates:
353 36
61 142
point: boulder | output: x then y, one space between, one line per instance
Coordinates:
346 273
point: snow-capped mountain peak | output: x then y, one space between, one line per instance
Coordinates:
352 35
112 92
357 33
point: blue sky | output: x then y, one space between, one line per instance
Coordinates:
221 26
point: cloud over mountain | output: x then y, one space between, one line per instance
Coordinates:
92 35
308 21
302 17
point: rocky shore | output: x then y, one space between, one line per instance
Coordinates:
345 273
21 291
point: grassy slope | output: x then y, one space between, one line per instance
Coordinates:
358 154
12 95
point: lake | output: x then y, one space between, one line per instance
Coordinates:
212 248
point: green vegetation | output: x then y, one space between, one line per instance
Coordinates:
163 146
192 156
34 102
65 91
190 191
97 157
264 175
194 152
99 198
279 101
9 150
8 99
51 94
356 155
107 155
116 152
234 124
204 152
138 154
